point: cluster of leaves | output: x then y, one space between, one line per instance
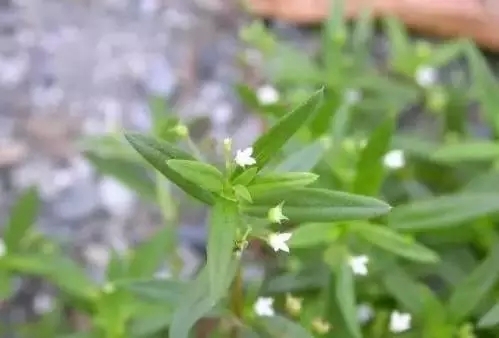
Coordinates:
434 255
444 197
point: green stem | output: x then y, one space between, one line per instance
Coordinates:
237 300
169 214
194 148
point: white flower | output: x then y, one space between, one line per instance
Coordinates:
278 241
394 159
358 264
275 214
267 95
352 96
3 248
426 76
43 303
400 322
364 313
243 157
264 307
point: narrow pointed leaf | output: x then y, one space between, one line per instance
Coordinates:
204 175
345 294
149 255
306 158
389 240
468 294
310 234
370 167
443 211
157 152
224 221
318 205
491 318
273 183
22 217
276 137
469 151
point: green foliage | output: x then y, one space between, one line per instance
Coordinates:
352 209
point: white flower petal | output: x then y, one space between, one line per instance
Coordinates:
400 322
267 95
264 306
426 76
394 159
359 265
364 313
244 158
278 241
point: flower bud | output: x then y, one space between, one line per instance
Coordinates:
275 214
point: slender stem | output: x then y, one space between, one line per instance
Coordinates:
237 300
194 148
169 214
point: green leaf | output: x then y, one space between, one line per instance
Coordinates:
306 158
321 122
399 40
311 234
491 318
155 290
334 36
22 217
389 240
157 152
445 53
467 151
318 205
242 193
412 295
443 211
345 294
468 294
246 177
362 35
267 145
197 301
130 173
117 267
278 326
370 169
224 221
272 183
484 86
204 175
146 259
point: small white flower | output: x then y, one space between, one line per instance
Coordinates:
3 248
267 95
43 303
394 159
359 264
264 307
352 96
426 76
278 241
400 322
244 158
364 313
